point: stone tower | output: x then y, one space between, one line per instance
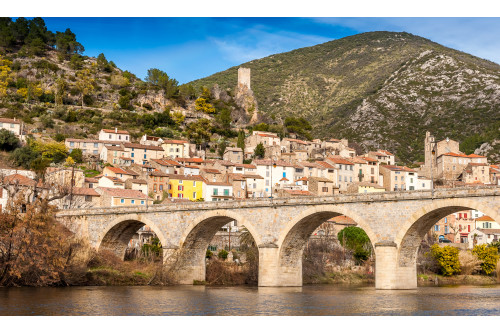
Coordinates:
429 142
244 77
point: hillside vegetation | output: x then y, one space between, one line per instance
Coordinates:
381 89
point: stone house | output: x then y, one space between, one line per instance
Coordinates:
382 156
111 182
239 184
114 155
167 166
123 174
176 148
114 135
394 177
345 171
91 182
255 185
243 169
88 146
79 198
150 140
476 173
212 174
190 161
191 170
122 197
13 125
327 170
142 154
233 154
321 186
364 188
137 184
347 152
495 174
157 183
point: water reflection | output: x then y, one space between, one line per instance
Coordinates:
202 300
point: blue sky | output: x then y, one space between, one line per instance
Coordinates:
192 48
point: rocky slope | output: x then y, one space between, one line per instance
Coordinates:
381 89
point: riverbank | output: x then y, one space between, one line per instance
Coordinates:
426 280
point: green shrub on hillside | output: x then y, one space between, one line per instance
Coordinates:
488 255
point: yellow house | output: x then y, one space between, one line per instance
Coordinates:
364 188
183 186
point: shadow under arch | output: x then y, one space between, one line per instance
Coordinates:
120 231
414 230
295 236
189 262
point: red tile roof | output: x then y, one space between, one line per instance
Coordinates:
266 135
19 179
127 193
190 160
485 219
166 162
249 166
175 141
339 160
211 170
9 120
85 191
121 132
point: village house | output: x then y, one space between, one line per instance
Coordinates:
233 154
115 155
167 166
334 145
91 182
239 185
347 152
364 188
212 174
273 172
182 186
79 198
142 154
243 169
191 170
88 146
13 125
395 177
217 191
122 197
255 185
137 184
176 148
114 135
476 173
150 140
328 170
111 182
382 156
345 171
158 183
483 236
495 174
455 227
123 174
190 161
370 170
321 186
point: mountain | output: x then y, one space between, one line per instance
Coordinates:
381 89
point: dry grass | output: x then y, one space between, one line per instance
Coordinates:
469 262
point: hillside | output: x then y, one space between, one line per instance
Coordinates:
381 89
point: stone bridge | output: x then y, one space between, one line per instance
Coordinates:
396 222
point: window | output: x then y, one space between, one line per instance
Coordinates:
324 189
446 229
436 228
91 185
351 167
72 143
226 192
88 198
122 201
194 183
373 170
120 137
154 187
180 181
95 152
396 187
267 173
180 195
216 192
345 178
395 178
180 188
126 137
132 154
267 183
109 136
161 187
350 178
194 195
132 201
145 156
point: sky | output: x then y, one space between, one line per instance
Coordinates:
193 48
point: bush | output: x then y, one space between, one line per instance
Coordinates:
489 257
469 262
222 254
209 254
77 155
8 140
447 258
59 137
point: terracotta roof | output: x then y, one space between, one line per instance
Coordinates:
358 160
158 173
267 162
211 170
302 179
485 219
369 159
91 180
307 164
398 168
252 176
226 163
191 166
266 135
250 166
19 179
186 177
297 141
386 152
143 147
138 181
166 162
85 191
191 160
339 160
9 120
284 179
114 148
320 179
118 170
237 149
87 140
299 192
175 141
114 179
152 138
476 156
236 177
121 132
218 184
127 193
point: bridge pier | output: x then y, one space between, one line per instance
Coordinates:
274 273
185 265
388 274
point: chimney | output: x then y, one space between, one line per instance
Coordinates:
116 130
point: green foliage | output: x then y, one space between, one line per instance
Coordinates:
59 137
23 156
241 140
259 151
199 131
209 254
77 155
47 121
488 255
8 140
356 239
300 126
152 249
447 258
66 43
161 80
222 148
103 64
223 254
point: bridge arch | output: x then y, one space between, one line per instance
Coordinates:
421 221
117 234
189 261
294 237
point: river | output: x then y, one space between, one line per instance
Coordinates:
242 300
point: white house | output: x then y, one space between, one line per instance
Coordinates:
114 135
217 191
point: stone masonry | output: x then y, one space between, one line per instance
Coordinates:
396 222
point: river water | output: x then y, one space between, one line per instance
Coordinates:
241 300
